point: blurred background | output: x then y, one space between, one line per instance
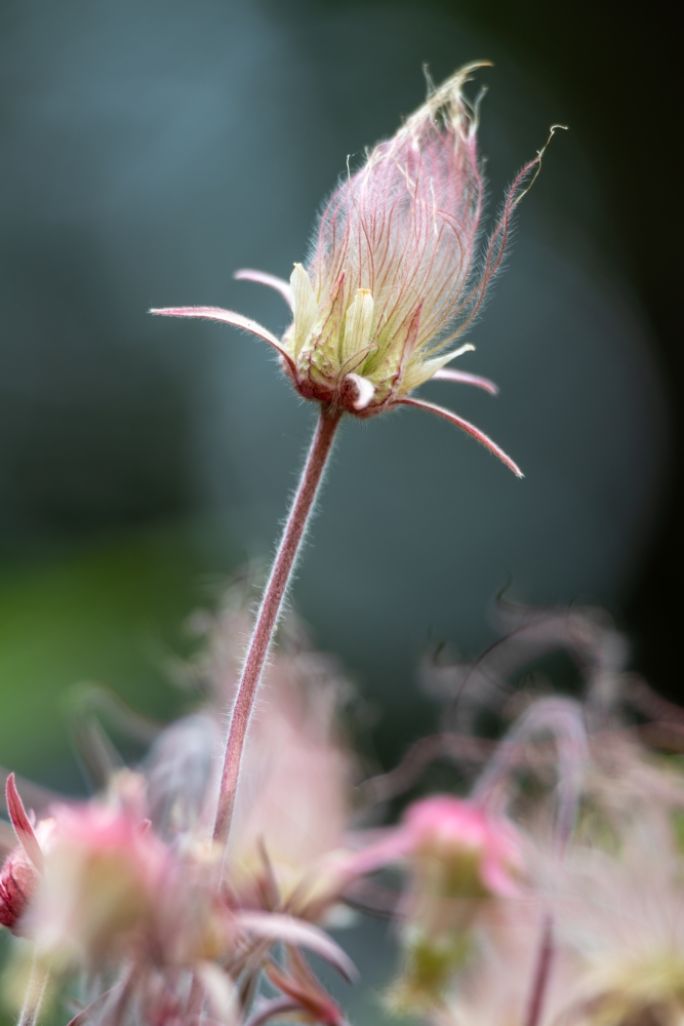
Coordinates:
151 149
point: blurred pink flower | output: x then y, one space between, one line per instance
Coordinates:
294 804
462 864
21 870
17 880
460 835
101 878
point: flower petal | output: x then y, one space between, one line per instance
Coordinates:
466 426
304 305
423 369
358 324
363 389
277 927
21 823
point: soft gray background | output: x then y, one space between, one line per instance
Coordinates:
148 151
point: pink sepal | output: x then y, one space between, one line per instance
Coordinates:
272 281
466 426
21 823
464 378
217 313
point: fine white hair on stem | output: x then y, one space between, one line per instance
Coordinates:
35 995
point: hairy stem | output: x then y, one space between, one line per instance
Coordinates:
267 617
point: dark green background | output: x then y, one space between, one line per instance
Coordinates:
151 148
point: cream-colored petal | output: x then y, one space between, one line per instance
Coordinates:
304 305
358 325
422 370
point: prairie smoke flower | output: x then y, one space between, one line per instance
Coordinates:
294 802
19 878
394 278
461 860
462 849
619 898
614 901
149 926
100 881
20 873
494 988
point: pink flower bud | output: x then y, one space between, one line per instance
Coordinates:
18 878
475 851
101 878
461 859
21 870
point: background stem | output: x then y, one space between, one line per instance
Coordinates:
540 979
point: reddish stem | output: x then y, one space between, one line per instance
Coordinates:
267 617
542 972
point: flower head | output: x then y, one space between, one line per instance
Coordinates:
394 279
388 285
462 864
